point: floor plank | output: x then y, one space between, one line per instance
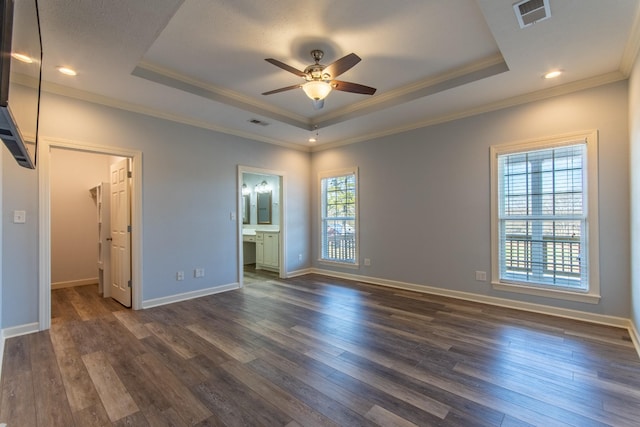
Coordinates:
116 399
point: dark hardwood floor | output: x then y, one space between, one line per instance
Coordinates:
316 351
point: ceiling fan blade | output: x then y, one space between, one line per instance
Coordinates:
282 89
317 104
285 67
352 87
342 65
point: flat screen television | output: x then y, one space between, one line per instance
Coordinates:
20 78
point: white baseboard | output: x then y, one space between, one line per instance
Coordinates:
601 319
189 295
297 273
15 331
1 350
73 283
635 336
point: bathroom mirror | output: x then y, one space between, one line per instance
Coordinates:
246 212
264 207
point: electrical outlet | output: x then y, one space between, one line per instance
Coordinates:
180 275
481 276
19 217
299 257
198 272
367 262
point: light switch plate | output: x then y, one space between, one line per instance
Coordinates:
19 217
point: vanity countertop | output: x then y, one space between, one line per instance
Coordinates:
252 231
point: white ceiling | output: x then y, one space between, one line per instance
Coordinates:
202 61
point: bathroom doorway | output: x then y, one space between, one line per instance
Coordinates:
261 227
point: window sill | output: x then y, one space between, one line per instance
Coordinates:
339 264
589 298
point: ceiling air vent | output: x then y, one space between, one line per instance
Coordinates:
529 12
258 122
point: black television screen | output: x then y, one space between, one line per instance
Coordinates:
20 78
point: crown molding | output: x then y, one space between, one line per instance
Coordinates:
469 73
477 70
69 92
494 106
170 78
498 105
632 46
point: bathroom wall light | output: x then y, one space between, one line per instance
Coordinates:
263 187
245 190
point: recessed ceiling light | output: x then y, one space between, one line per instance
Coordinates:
553 74
21 57
67 71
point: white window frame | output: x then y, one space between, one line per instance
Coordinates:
592 294
322 201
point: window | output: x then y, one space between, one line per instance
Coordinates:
543 213
339 201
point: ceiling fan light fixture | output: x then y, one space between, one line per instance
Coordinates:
317 89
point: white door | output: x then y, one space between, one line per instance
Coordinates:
120 233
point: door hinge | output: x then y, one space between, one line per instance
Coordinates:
129 228
129 174
129 283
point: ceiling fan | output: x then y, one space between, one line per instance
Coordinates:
320 79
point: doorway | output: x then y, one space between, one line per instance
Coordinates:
261 224
49 149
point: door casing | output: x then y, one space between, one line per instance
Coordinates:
282 269
44 220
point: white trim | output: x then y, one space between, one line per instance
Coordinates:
44 219
93 98
155 302
1 264
566 89
282 261
601 319
74 283
330 174
16 331
591 194
1 350
11 332
635 336
298 273
585 297
632 47
347 265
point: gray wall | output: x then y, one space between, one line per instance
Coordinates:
19 244
634 132
425 195
189 189
424 198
